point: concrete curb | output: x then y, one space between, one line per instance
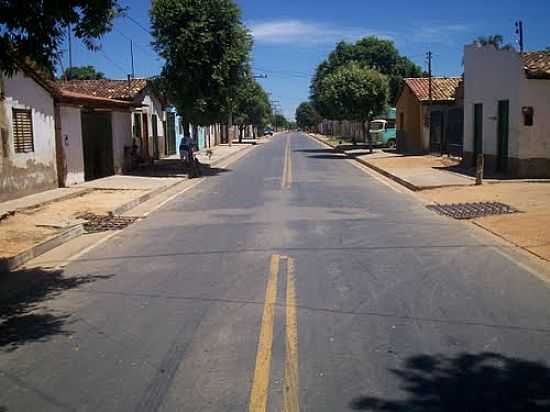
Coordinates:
387 174
77 192
142 199
13 262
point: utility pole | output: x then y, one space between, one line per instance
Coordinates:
519 32
132 57
70 46
429 56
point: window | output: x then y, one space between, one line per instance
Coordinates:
390 124
23 139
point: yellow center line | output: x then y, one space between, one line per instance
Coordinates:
260 382
290 395
286 178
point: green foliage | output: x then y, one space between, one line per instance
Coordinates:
353 92
306 116
280 121
251 104
380 55
34 29
495 40
206 50
82 73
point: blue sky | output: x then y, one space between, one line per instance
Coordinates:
293 36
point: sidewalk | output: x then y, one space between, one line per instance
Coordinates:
435 180
32 225
414 172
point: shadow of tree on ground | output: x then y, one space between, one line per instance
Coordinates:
467 382
23 319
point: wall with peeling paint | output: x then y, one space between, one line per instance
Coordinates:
26 173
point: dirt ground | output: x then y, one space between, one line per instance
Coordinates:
529 229
28 228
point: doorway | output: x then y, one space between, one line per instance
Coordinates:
154 127
146 153
436 132
503 130
97 145
478 131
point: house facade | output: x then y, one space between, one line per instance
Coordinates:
425 125
507 111
95 137
27 126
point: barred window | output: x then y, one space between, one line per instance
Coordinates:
23 139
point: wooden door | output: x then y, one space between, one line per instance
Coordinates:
97 145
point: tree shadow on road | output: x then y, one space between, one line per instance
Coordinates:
467 382
23 315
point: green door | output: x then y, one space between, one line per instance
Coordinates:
97 144
170 133
503 129
154 126
478 130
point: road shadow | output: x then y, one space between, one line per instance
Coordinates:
313 151
23 315
483 382
329 156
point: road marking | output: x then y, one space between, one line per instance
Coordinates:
290 394
286 179
260 382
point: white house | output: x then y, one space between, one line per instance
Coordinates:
27 133
147 120
95 136
507 110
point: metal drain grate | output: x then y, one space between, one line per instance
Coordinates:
99 223
472 210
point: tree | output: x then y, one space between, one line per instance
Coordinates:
380 55
35 30
280 121
82 73
495 40
354 92
306 116
206 50
251 105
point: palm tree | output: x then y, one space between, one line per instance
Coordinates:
495 40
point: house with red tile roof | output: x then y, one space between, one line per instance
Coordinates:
429 116
507 110
27 135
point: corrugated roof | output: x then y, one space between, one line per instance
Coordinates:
443 88
107 89
537 64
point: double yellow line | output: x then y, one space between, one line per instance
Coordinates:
260 383
286 180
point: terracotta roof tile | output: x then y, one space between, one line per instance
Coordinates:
443 88
108 89
537 64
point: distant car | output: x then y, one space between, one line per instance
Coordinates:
383 133
268 131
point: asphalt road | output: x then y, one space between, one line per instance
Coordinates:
293 281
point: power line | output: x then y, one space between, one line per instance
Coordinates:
137 23
122 69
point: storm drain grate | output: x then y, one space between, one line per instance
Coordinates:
100 223
472 210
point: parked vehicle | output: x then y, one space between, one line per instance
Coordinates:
383 133
268 131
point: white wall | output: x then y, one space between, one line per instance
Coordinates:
535 140
28 172
491 75
71 135
122 136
